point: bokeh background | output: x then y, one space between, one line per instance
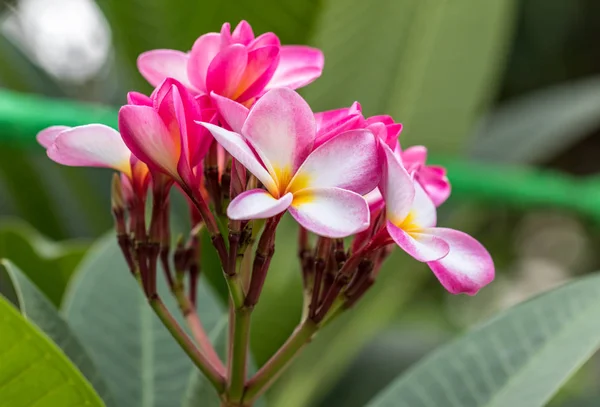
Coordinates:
506 93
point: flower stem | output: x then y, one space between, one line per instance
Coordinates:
261 381
239 357
199 359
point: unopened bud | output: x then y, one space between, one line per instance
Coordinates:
117 201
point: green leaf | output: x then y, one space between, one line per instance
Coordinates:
537 126
105 307
34 371
432 64
49 265
521 357
35 307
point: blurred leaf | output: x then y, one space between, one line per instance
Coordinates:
382 360
18 72
46 378
536 127
521 357
49 265
432 64
141 25
35 307
105 307
333 349
32 197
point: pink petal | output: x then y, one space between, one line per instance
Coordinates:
47 136
281 127
257 204
139 99
348 161
232 113
264 40
375 200
298 66
204 50
393 132
422 246
414 157
239 149
331 212
226 70
225 35
261 66
467 267
148 138
243 33
435 183
333 122
92 145
156 65
396 186
384 118
423 210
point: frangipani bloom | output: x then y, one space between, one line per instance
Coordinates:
161 131
460 262
96 145
432 178
234 65
322 188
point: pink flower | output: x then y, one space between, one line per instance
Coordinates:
322 188
96 145
459 262
235 65
432 178
161 132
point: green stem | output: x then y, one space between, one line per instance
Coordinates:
236 291
261 381
239 357
199 359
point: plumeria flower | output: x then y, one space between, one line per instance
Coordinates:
459 262
97 145
235 65
322 188
160 130
432 178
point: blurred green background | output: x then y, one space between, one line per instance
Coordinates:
506 93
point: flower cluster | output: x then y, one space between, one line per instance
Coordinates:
225 126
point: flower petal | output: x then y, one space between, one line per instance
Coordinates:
281 127
467 267
396 186
334 122
414 157
435 183
298 66
348 161
149 139
264 40
159 64
243 33
233 113
226 69
423 212
139 99
261 66
204 50
257 204
331 212
92 145
422 246
239 149
47 136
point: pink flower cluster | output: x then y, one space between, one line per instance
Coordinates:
229 106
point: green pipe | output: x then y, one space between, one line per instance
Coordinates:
22 116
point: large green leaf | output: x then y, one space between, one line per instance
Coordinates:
48 264
141 362
35 307
34 371
520 358
432 64
537 126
